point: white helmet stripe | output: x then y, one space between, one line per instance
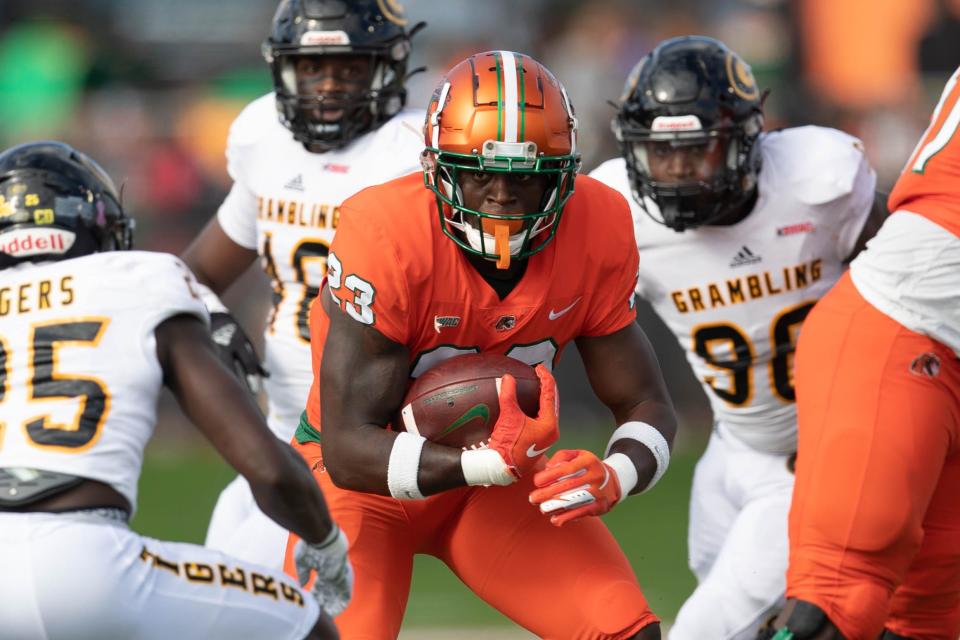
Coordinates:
435 116
573 119
510 96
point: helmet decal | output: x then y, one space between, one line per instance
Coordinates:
508 106
631 82
392 11
741 77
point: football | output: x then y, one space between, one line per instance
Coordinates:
456 402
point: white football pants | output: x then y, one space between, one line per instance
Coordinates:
78 576
737 542
238 527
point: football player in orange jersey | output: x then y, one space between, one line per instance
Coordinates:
875 521
507 250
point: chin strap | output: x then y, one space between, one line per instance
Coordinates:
502 242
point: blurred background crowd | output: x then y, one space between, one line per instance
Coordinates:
150 88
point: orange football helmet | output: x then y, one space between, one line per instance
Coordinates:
500 111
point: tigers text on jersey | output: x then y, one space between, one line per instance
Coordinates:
285 203
911 268
79 374
417 287
735 296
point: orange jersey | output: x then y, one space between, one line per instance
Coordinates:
392 268
929 182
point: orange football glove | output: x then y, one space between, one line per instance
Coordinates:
518 438
576 483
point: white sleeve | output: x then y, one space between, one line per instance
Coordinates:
855 208
170 289
238 213
238 216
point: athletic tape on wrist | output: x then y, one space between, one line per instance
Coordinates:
625 471
403 466
331 537
652 439
484 467
210 300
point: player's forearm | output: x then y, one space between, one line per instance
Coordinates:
360 460
645 436
656 411
291 497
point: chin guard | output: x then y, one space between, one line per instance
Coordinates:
502 242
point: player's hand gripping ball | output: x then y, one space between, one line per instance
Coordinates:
457 402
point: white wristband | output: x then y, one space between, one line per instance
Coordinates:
210 300
485 467
403 466
652 439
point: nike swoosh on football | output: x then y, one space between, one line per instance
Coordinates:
533 452
476 411
553 315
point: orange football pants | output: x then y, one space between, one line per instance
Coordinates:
875 522
571 582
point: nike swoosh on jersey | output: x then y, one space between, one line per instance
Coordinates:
476 411
533 452
553 315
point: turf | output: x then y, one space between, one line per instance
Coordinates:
179 488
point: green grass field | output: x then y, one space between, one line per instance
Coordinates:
178 490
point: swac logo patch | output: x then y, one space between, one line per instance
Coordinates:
445 322
792 229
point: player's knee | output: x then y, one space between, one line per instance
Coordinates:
324 629
649 632
804 620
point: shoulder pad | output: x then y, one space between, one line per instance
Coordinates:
405 128
259 118
815 164
613 173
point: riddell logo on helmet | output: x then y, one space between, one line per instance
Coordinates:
33 241
319 38
676 123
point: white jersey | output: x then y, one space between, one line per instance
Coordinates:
285 204
78 354
735 296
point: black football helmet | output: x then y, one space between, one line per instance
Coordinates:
57 203
696 93
374 28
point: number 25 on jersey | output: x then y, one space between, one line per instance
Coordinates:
44 383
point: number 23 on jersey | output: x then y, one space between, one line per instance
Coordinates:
352 293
